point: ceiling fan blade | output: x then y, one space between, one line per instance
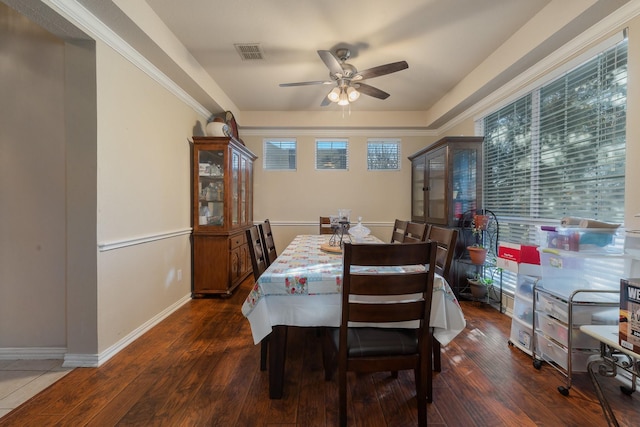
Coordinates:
381 70
325 102
371 91
316 82
330 60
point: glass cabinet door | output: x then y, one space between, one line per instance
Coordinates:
418 189
464 181
211 187
235 187
243 191
437 187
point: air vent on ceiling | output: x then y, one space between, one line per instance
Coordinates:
249 51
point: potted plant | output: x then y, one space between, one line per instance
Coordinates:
480 222
478 285
477 252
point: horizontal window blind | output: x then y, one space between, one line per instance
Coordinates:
383 154
279 154
560 151
332 154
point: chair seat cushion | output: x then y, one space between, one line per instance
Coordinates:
377 341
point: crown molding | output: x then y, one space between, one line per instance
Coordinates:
387 132
588 39
78 15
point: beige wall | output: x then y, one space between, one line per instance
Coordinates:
143 193
294 200
95 213
32 186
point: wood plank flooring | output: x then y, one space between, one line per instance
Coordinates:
199 367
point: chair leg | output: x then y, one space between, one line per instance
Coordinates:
422 397
264 350
342 395
328 356
435 344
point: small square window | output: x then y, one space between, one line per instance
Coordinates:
383 154
280 154
332 154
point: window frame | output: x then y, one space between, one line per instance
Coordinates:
518 223
268 162
345 162
385 141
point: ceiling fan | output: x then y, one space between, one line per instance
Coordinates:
348 79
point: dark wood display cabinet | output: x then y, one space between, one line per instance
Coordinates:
222 209
446 184
446 180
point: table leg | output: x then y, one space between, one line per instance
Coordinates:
277 352
606 409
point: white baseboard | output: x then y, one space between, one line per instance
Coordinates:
32 353
96 360
89 360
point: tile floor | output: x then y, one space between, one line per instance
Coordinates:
22 379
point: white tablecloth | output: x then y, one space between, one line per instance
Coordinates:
303 288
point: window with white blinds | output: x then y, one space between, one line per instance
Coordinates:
383 154
559 150
332 154
279 154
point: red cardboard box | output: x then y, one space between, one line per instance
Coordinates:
629 336
519 253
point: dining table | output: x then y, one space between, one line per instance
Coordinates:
302 287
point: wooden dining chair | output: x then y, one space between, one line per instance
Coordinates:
399 229
267 240
325 225
259 264
445 239
415 232
376 348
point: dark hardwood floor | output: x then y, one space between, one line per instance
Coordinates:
199 367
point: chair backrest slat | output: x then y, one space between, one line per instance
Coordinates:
416 232
256 251
325 225
399 230
386 313
446 239
374 295
267 240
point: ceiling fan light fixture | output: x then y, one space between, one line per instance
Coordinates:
352 94
334 95
344 98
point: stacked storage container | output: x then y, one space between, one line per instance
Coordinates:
524 260
580 276
522 321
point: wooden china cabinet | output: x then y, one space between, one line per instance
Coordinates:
222 209
446 187
446 180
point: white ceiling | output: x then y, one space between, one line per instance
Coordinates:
442 41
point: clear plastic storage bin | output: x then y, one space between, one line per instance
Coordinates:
586 240
521 334
556 354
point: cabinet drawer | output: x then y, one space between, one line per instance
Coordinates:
521 334
582 314
552 352
237 240
560 332
523 309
